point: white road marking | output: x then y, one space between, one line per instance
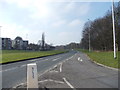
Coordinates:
9 69
55 59
78 58
21 66
81 60
21 84
36 59
61 67
53 71
43 60
51 81
68 84
67 59
55 66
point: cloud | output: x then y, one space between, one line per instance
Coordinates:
31 18
59 23
38 8
67 37
69 7
78 9
75 22
83 9
13 30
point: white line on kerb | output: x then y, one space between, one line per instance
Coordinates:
69 84
61 67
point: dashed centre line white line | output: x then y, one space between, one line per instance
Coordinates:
55 59
22 66
10 69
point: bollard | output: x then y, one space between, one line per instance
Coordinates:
32 77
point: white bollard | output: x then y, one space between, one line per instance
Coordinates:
32 77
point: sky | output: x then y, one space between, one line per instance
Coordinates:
61 21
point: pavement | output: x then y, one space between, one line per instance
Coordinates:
77 71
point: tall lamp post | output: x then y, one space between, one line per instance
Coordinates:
113 20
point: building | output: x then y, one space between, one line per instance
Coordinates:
6 43
19 44
25 45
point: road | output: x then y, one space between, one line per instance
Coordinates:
15 73
79 72
75 70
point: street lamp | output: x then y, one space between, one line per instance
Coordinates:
113 29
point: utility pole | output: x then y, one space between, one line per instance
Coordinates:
89 35
113 20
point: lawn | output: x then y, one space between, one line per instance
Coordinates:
16 55
105 58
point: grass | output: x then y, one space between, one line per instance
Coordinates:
16 55
105 58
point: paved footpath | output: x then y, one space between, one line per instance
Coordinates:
79 72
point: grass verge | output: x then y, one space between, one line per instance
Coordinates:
17 55
105 58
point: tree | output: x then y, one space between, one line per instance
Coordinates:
101 33
43 41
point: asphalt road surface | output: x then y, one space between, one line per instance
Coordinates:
15 73
74 70
79 72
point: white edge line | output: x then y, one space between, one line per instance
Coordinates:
68 84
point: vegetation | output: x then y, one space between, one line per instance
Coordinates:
101 33
105 58
16 55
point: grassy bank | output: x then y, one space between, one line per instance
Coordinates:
16 55
105 58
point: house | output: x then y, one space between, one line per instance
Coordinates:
6 43
19 44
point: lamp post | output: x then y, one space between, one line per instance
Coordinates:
113 29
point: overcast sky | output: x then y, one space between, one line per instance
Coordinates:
62 22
